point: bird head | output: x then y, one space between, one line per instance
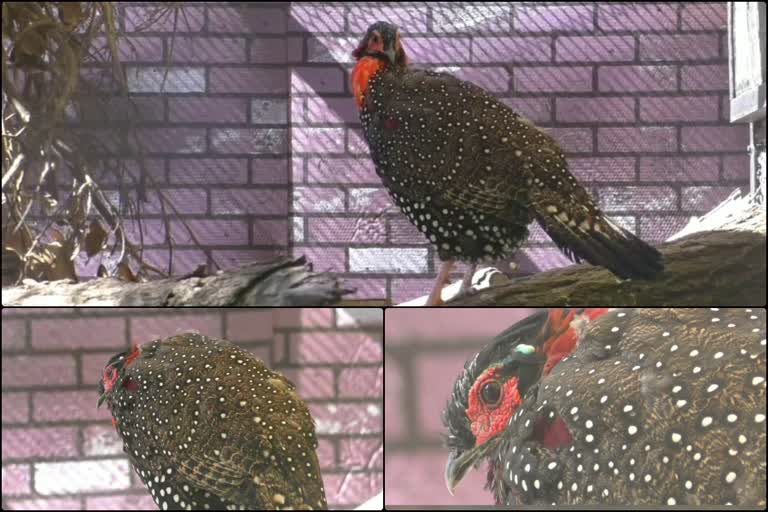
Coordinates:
114 376
495 381
382 41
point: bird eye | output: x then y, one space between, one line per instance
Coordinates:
491 392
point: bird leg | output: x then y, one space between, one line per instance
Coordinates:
434 298
466 281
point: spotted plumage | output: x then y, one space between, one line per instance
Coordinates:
471 173
207 425
636 406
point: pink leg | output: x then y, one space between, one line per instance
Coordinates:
466 281
434 298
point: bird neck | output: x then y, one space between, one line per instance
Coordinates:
362 74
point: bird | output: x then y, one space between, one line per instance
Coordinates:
594 406
471 174
206 425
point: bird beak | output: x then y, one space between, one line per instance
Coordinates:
458 465
391 55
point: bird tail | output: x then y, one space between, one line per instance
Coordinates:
599 241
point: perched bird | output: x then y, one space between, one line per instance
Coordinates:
472 174
207 425
630 406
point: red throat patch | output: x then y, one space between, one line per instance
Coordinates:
361 76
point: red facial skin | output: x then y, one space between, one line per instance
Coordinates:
488 420
367 66
109 377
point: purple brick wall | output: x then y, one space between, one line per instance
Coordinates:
426 351
255 137
52 360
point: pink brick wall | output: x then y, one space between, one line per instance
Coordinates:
51 363
426 351
255 138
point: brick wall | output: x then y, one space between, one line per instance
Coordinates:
426 351
256 139
60 452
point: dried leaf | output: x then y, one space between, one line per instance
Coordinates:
95 239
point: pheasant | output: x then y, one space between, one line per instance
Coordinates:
472 174
631 406
206 425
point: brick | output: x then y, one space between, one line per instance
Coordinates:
45 504
358 418
402 231
240 201
252 141
148 328
248 19
326 453
359 317
14 334
704 16
212 110
405 289
253 325
472 19
66 333
395 260
311 382
302 317
368 200
66 477
493 79
573 140
276 50
209 50
703 199
605 109
736 167
637 17
553 79
637 139
16 479
121 502
656 229
323 259
393 389
361 382
554 18
184 260
679 46
166 80
66 406
646 198
183 200
269 171
705 77
597 169
343 230
356 144
366 287
331 110
671 108
361 453
594 48
437 50
351 489
316 80
101 109
317 140
538 110
153 231
15 407
142 19
31 443
514 49
637 78
92 365
173 140
679 169
210 231
331 49
341 170
317 199
715 138
248 80
335 347
540 259
101 440
208 171
435 372
130 49
316 18
411 19
298 229
270 232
